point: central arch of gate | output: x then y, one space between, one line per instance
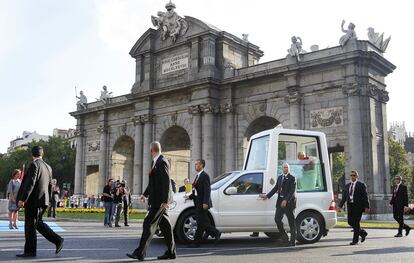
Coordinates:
205 93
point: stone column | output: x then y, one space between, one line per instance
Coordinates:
294 100
137 181
79 157
146 156
227 109
384 98
103 173
209 111
196 140
354 153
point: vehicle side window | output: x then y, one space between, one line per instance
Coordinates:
257 157
249 184
305 161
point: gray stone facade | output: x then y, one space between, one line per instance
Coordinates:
206 94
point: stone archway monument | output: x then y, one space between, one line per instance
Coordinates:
192 75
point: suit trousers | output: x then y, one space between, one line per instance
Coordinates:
154 218
289 212
126 211
203 224
354 219
398 212
33 220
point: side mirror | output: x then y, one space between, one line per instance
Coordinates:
231 191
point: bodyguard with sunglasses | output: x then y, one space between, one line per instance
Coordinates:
356 197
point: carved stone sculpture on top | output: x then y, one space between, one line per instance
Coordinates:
105 95
296 48
349 33
378 40
83 101
170 23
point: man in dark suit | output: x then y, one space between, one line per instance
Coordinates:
202 201
356 197
399 203
34 196
157 192
286 203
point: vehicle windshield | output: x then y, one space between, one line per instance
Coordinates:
220 180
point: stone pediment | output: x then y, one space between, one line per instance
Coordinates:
151 40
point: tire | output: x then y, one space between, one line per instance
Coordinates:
309 227
273 235
186 227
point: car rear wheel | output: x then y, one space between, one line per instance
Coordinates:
186 227
309 227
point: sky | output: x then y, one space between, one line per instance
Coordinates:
48 47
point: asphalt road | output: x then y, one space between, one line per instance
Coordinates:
91 242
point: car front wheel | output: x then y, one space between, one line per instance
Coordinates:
309 227
186 227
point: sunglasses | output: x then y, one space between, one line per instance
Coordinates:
353 175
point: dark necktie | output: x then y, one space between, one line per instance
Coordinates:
195 181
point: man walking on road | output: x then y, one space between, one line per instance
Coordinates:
285 204
356 197
157 191
202 201
399 203
34 196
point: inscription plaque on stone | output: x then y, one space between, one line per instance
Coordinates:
174 63
323 118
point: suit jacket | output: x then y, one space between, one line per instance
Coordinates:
36 186
401 197
288 187
203 188
158 183
360 196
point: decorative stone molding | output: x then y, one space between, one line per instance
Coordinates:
79 132
226 108
137 120
373 89
352 89
209 108
174 118
383 96
124 129
146 118
101 129
294 97
329 117
194 109
94 146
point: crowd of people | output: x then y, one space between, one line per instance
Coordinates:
116 199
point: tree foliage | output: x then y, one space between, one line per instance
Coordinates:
338 169
399 164
57 153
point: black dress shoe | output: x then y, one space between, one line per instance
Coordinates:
194 245
59 246
363 236
407 231
217 238
126 225
168 255
26 255
134 256
254 234
353 243
398 235
117 225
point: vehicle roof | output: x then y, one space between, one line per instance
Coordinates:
288 131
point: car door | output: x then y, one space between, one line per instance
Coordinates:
241 207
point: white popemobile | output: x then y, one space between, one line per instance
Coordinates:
235 195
